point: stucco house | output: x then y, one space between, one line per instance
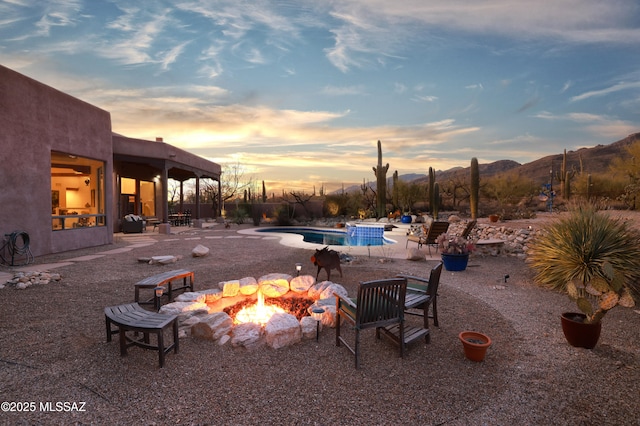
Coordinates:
68 181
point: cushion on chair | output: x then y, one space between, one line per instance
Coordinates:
349 309
417 287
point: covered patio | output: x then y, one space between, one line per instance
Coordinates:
142 170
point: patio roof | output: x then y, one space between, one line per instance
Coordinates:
180 165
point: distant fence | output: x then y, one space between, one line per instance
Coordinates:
314 209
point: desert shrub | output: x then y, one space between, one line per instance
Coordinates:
240 214
283 215
579 246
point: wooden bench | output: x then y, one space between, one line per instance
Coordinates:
162 280
132 317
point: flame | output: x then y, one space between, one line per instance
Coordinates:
259 313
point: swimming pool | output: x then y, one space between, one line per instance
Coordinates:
331 237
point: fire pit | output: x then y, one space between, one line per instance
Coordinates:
274 310
261 311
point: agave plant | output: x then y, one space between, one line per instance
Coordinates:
592 257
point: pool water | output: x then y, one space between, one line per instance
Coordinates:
331 237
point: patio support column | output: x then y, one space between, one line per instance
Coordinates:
181 197
165 227
197 212
219 212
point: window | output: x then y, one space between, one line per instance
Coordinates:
77 192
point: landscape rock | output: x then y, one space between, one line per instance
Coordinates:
309 327
248 286
190 296
282 330
274 285
302 284
415 254
163 260
211 295
177 308
212 326
200 251
247 335
230 288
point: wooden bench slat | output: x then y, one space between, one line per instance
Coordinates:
165 279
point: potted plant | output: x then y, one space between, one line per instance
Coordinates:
455 251
474 344
593 258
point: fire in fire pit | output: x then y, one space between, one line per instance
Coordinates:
262 310
258 313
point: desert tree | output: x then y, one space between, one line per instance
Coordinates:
233 184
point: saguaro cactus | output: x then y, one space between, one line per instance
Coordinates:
564 176
264 193
381 184
395 189
432 181
436 200
475 188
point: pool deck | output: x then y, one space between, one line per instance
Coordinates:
394 251
389 251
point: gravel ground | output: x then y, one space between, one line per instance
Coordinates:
54 350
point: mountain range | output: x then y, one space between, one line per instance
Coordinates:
588 160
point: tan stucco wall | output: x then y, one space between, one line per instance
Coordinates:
34 120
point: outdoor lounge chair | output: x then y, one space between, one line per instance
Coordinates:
379 304
467 230
429 236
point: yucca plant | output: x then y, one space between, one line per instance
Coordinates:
592 257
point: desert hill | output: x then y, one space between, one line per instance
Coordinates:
589 160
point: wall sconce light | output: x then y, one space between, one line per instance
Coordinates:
87 181
298 268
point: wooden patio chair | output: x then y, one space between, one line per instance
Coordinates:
422 294
379 303
467 230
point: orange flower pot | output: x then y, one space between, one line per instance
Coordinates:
475 345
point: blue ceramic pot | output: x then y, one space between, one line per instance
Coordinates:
455 262
406 219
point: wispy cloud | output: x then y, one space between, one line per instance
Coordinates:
529 104
344 90
608 90
601 126
477 86
136 32
425 98
172 55
58 13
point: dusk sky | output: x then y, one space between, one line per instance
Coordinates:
299 92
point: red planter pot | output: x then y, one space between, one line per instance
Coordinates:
475 345
578 333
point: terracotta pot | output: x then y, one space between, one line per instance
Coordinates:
578 333
494 218
475 345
